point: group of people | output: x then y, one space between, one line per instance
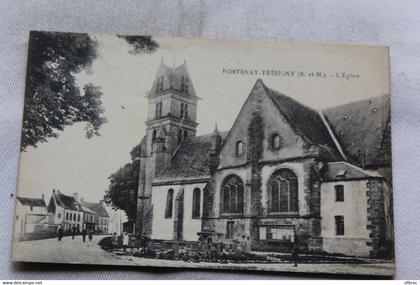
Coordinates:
74 231
129 243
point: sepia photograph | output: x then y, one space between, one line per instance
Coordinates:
205 153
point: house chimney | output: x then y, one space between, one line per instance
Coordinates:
43 196
101 202
76 196
82 200
54 191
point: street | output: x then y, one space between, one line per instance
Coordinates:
65 251
75 251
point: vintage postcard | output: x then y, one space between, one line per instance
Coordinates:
201 153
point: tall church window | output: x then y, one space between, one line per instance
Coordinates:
158 110
196 203
283 191
185 134
169 204
239 148
179 136
232 195
275 142
154 134
182 111
186 111
160 84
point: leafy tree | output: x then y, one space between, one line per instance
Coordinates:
52 98
141 44
123 186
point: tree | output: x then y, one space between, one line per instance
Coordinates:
140 44
123 186
52 98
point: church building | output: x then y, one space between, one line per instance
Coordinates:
283 174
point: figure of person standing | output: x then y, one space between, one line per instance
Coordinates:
60 233
247 246
114 241
295 254
73 232
90 235
126 240
84 233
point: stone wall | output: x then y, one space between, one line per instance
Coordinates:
376 218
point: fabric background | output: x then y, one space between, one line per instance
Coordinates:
385 22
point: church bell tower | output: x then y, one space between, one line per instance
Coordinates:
172 115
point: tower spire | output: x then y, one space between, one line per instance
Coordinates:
216 131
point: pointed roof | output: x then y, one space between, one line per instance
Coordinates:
64 201
174 78
363 128
216 131
191 160
305 121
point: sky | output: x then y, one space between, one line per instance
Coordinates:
74 164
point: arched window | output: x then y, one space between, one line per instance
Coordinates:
232 195
154 134
275 142
196 203
179 136
186 111
78 217
67 215
185 134
283 191
239 148
169 204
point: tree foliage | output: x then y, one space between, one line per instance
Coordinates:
123 186
141 44
52 98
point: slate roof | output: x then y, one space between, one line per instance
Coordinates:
363 127
97 208
190 160
68 202
172 79
341 170
64 201
34 202
359 127
304 120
